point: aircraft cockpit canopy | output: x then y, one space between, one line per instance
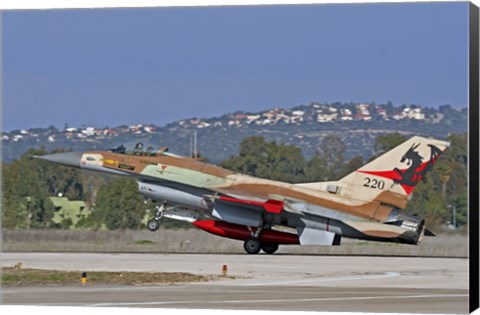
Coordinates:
139 150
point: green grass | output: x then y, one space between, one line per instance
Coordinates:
197 241
39 277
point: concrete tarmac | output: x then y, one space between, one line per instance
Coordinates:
261 282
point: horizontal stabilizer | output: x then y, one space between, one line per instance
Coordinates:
376 230
429 233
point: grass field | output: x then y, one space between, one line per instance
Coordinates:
37 277
197 241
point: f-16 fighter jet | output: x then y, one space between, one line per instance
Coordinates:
366 204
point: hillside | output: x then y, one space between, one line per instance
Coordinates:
219 137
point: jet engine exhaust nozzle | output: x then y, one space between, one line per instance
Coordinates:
414 226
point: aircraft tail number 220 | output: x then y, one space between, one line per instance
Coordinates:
374 183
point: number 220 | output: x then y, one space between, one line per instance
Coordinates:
374 183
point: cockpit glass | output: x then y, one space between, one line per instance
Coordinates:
138 149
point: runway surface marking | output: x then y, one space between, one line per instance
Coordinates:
263 283
280 300
277 266
328 279
88 288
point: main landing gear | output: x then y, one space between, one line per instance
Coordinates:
252 245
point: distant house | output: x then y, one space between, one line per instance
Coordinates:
234 123
110 132
412 113
399 116
89 131
203 125
252 118
149 129
239 116
266 122
326 117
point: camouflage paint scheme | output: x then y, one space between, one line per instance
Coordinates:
365 204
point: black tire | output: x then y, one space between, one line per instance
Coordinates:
252 245
270 248
153 225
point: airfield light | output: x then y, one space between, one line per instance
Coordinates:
84 278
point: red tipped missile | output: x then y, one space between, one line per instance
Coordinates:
241 232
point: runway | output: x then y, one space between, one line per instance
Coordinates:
260 282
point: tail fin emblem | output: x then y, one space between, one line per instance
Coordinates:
409 177
417 170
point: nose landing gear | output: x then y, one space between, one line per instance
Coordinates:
154 224
172 212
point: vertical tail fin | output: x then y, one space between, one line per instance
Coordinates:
395 174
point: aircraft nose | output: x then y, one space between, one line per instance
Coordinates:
66 159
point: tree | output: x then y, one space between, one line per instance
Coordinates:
25 200
59 179
316 170
354 164
332 151
384 143
118 205
268 160
444 187
14 211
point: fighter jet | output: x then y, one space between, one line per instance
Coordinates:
366 204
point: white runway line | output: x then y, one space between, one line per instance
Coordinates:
422 296
327 279
277 266
88 288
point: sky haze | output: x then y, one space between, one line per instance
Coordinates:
108 67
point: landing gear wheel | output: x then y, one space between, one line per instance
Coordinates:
269 248
252 245
153 225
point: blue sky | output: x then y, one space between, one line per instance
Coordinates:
107 67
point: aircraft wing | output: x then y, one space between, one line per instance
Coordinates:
243 211
272 206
